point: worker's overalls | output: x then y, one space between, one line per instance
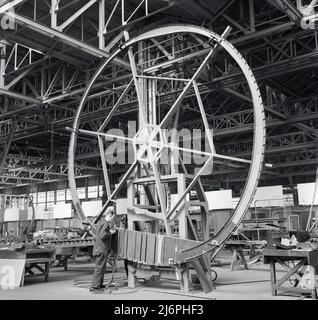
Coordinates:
101 250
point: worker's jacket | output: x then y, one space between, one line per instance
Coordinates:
102 238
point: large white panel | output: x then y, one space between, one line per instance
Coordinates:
268 196
62 211
91 208
220 199
174 199
11 274
121 206
11 214
306 193
38 212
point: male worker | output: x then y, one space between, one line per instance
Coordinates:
104 231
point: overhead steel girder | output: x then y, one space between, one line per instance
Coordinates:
19 96
263 72
287 7
68 40
8 5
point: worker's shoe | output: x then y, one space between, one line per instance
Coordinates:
96 290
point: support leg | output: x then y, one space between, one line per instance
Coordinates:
273 277
185 279
46 272
206 285
242 258
252 253
314 293
234 257
65 264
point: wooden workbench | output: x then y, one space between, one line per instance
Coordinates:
306 261
236 247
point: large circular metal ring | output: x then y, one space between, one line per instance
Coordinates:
258 135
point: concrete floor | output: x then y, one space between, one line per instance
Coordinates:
253 284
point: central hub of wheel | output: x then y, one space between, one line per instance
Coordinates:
148 143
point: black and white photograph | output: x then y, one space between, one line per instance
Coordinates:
159 155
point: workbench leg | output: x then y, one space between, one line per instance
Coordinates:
252 252
22 279
243 261
273 277
234 258
314 292
238 256
65 265
46 271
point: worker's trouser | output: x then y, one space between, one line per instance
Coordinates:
100 268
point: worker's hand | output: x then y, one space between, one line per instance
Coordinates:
112 231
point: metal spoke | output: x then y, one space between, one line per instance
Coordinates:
99 134
104 165
188 189
161 197
150 191
112 197
209 154
116 106
196 75
234 159
204 118
136 82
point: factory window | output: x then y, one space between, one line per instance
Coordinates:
101 192
81 193
50 197
14 202
49 206
41 197
60 195
34 198
68 194
92 192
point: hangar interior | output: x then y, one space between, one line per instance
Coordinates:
198 120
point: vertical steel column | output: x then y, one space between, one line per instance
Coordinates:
102 13
241 10
53 12
146 110
43 82
34 9
252 15
2 62
182 217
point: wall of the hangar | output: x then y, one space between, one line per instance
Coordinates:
48 195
